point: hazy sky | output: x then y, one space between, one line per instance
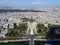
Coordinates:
24 3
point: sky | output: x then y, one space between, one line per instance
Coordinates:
29 3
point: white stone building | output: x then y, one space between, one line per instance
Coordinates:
31 28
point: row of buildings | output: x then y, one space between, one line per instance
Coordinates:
49 16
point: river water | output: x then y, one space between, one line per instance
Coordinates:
36 43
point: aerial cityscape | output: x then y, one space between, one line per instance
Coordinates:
33 22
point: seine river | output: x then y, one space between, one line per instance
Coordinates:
36 43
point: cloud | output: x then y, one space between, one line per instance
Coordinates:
37 3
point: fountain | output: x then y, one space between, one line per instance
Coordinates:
31 32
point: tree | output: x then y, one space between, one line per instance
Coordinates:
17 30
25 19
12 32
42 29
23 27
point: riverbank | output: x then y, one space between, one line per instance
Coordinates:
6 41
